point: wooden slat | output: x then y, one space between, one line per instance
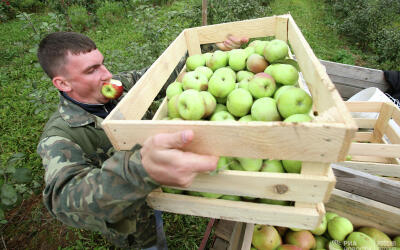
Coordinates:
281 28
314 142
224 229
396 115
306 187
365 212
367 185
357 83
363 137
373 168
382 122
192 42
364 106
365 122
248 236
346 91
393 136
235 210
260 27
236 239
375 149
374 159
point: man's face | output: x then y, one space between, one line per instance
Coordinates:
85 73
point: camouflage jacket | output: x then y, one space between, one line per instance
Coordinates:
90 185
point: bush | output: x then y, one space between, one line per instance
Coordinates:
110 12
234 10
79 17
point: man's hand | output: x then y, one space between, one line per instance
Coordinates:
232 42
166 163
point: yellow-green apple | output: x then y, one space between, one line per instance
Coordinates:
250 164
246 118
253 43
225 71
288 247
360 240
243 74
239 102
207 56
275 50
334 245
210 195
294 101
222 116
205 71
396 241
330 215
264 109
209 103
265 237
274 202
250 50
222 163
320 230
381 239
285 74
175 88
339 227
230 197
218 60
221 85
292 166
220 107
191 105
234 164
303 239
171 190
280 90
273 166
195 80
320 242
298 118
194 61
262 85
244 84
260 46
194 193
256 63
237 59
172 105
112 89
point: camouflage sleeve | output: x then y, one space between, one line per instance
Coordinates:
110 199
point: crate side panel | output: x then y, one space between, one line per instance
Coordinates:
373 168
235 210
276 140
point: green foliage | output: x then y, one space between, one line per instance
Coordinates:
79 17
110 12
234 10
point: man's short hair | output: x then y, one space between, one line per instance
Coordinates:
54 48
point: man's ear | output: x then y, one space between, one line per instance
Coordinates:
61 83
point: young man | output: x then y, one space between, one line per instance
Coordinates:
87 183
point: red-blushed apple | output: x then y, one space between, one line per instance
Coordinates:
112 90
266 237
175 88
303 239
264 109
239 102
256 63
209 103
191 105
194 61
262 85
275 50
294 101
195 80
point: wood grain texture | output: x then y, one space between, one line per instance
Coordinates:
374 168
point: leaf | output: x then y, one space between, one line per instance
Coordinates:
8 195
15 158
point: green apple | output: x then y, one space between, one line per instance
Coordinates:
274 202
195 80
191 105
260 46
222 116
230 197
265 237
339 227
194 193
256 63
218 60
330 215
265 109
272 166
210 195
294 101
220 107
292 166
250 50
205 71
280 90
298 118
276 50
320 242
262 85
172 106
222 163
246 118
250 164
234 164
285 74
209 103
360 240
254 43
381 239
243 74
194 61
237 59
175 88
239 102
221 85
207 56
334 245
171 190
320 230
225 71
244 84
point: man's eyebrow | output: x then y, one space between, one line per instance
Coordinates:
93 66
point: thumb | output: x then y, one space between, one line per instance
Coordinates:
174 140
244 40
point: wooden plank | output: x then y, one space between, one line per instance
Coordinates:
307 187
374 159
382 122
235 241
396 115
365 122
363 137
220 244
224 229
260 27
346 91
365 212
375 149
367 185
355 72
356 83
314 142
393 136
192 42
248 236
364 106
373 168
281 28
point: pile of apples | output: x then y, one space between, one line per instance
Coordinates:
334 233
254 84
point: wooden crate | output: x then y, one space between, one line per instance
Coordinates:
317 144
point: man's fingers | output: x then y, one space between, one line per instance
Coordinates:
197 162
244 40
173 140
222 46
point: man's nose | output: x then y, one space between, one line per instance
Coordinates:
107 74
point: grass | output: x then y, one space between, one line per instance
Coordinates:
27 98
